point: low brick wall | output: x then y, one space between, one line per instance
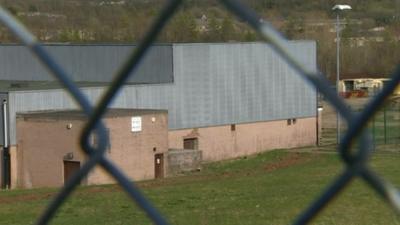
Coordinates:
183 160
236 140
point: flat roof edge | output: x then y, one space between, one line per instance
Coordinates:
79 114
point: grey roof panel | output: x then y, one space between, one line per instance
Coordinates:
86 63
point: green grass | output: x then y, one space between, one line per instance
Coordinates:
269 188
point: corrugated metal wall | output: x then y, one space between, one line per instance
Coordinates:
214 84
234 83
94 63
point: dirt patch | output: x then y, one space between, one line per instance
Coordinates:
49 195
291 159
25 198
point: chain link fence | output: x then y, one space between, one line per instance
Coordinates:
356 161
384 125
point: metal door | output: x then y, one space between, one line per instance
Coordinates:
159 165
70 167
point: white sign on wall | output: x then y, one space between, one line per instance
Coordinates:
136 124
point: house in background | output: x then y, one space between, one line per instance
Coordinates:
226 99
363 86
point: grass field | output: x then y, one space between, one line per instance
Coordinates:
269 188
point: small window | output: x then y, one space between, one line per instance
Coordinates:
289 122
233 127
294 121
190 143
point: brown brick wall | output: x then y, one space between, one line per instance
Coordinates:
41 146
43 143
133 152
221 142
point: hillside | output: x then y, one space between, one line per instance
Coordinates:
370 37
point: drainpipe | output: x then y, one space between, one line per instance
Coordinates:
6 181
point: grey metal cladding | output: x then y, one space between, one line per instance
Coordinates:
235 83
214 84
94 63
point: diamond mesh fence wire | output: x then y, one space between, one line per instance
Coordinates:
356 161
